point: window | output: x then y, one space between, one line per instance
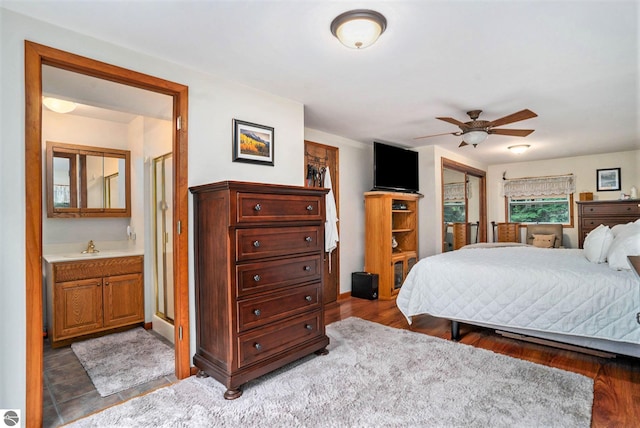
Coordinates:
540 209
454 212
540 199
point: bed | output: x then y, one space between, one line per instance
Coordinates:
551 294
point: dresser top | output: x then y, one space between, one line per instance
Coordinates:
612 201
244 186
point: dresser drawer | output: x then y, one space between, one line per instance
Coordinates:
254 207
631 209
257 243
263 343
588 224
265 276
276 306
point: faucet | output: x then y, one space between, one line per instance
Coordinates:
91 248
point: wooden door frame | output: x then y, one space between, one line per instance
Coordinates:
37 55
467 170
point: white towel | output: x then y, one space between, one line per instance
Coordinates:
331 224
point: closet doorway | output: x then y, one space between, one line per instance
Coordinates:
464 205
318 158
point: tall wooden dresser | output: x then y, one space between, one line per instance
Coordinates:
591 214
258 278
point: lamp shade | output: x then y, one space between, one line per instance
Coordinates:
59 106
474 137
358 29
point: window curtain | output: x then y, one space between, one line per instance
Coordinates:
539 186
455 191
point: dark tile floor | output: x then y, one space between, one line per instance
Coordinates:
69 393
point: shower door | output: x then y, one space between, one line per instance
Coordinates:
163 221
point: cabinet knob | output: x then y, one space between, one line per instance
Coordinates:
256 278
256 244
308 239
307 268
258 207
106 283
308 326
309 208
257 346
257 312
307 298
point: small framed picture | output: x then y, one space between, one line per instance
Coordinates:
252 143
608 179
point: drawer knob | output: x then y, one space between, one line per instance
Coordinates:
257 312
257 346
308 239
258 207
309 208
256 244
307 298
628 208
256 278
106 283
307 268
308 326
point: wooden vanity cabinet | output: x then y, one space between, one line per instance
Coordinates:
258 278
93 296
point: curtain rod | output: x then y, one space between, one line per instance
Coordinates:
504 176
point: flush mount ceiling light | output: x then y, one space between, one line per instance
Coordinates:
474 137
358 28
520 148
59 106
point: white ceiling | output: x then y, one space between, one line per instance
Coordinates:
574 63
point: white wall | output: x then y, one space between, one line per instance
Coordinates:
213 103
356 177
430 207
583 167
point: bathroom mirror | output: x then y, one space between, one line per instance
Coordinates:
86 181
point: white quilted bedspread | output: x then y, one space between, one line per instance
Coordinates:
553 290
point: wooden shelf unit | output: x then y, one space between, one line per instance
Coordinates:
384 221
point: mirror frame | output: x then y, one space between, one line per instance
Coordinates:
78 208
475 172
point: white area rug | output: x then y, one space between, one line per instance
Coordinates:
374 376
121 361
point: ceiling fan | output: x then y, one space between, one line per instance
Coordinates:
476 131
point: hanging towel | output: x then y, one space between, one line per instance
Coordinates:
331 224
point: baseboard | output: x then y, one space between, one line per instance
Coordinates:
148 326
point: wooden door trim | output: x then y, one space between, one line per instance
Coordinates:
482 175
37 55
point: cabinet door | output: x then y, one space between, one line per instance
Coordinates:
78 307
123 300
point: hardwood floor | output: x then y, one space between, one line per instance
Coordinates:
616 398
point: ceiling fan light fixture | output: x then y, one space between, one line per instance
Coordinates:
358 29
519 148
474 137
58 105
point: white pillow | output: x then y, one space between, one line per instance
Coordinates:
625 228
623 246
597 243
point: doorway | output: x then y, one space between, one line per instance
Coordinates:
318 159
464 205
36 56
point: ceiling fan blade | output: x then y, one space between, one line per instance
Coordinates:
437 135
512 132
453 121
515 117
462 144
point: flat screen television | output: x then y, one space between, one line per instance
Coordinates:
395 168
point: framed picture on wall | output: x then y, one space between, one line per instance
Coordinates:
608 179
253 143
